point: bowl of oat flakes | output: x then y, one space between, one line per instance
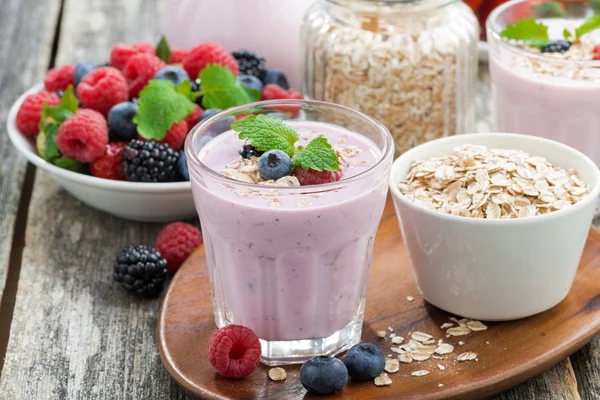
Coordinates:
495 224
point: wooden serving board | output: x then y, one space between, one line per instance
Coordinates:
508 352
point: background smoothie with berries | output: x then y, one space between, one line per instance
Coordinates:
290 257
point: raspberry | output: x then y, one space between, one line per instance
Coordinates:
312 177
83 136
121 53
176 135
274 92
108 165
597 52
208 53
102 88
234 351
194 116
30 112
177 55
59 78
176 242
139 70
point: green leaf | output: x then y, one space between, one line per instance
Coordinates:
567 34
252 93
69 101
221 89
58 114
49 149
549 9
68 163
528 30
267 133
317 155
185 88
590 24
595 5
163 50
160 107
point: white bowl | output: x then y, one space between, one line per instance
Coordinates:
496 269
148 202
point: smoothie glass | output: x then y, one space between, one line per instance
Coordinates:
292 263
538 93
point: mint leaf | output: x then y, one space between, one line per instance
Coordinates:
253 94
221 89
550 9
267 133
68 163
163 50
567 34
317 155
185 88
590 24
528 30
69 101
160 107
58 114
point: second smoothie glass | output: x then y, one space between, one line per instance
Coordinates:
296 271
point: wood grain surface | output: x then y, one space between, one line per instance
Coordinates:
508 352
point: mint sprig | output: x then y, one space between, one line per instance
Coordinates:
50 121
589 25
270 133
163 50
528 30
160 107
221 89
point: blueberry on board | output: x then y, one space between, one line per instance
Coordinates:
323 375
252 82
274 164
277 77
172 73
81 70
182 167
209 113
120 121
364 361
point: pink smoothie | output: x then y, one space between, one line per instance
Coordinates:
545 97
297 270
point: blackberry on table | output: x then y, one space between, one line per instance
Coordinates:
141 270
557 46
250 62
149 162
248 151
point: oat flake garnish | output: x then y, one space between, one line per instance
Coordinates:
383 380
444 348
392 366
422 372
382 334
405 358
476 326
468 356
458 331
277 374
421 337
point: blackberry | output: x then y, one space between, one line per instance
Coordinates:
141 270
249 151
250 62
196 87
557 46
149 162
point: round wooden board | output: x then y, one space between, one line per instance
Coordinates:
508 352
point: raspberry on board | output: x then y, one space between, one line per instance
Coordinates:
234 351
139 70
176 242
30 112
208 53
194 116
177 55
108 165
59 78
83 136
102 88
312 177
176 135
121 53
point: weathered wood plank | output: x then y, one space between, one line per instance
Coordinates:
75 334
586 363
26 33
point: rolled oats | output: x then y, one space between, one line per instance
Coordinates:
392 366
468 356
420 373
277 374
444 348
383 380
405 358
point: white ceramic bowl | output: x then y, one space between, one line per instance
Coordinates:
148 202
496 269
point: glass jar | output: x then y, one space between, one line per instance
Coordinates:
408 63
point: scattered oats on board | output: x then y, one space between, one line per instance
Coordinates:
277 374
478 182
421 337
444 348
383 380
476 326
422 372
447 325
392 366
440 385
441 367
382 334
458 331
468 356
419 355
461 343
405 358
397 340
410 298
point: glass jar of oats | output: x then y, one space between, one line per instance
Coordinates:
411 64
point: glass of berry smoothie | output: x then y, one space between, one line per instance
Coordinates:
545 70
289 210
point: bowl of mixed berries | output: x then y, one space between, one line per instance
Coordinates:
112 134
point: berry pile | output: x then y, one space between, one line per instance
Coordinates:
128 119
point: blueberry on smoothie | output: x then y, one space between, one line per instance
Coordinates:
274 164
120 121
323 375
557 46
276 77
364 361
172 73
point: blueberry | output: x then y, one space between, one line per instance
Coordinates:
557 46
276 77
252 82
279 115
172 73
182 167
323 375
364 361
81 70
274 164
120 122
209 113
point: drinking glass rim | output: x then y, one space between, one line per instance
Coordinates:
197 165
491 25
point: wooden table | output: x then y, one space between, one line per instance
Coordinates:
66 330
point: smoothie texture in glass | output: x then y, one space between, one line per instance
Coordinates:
548 94
292 262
